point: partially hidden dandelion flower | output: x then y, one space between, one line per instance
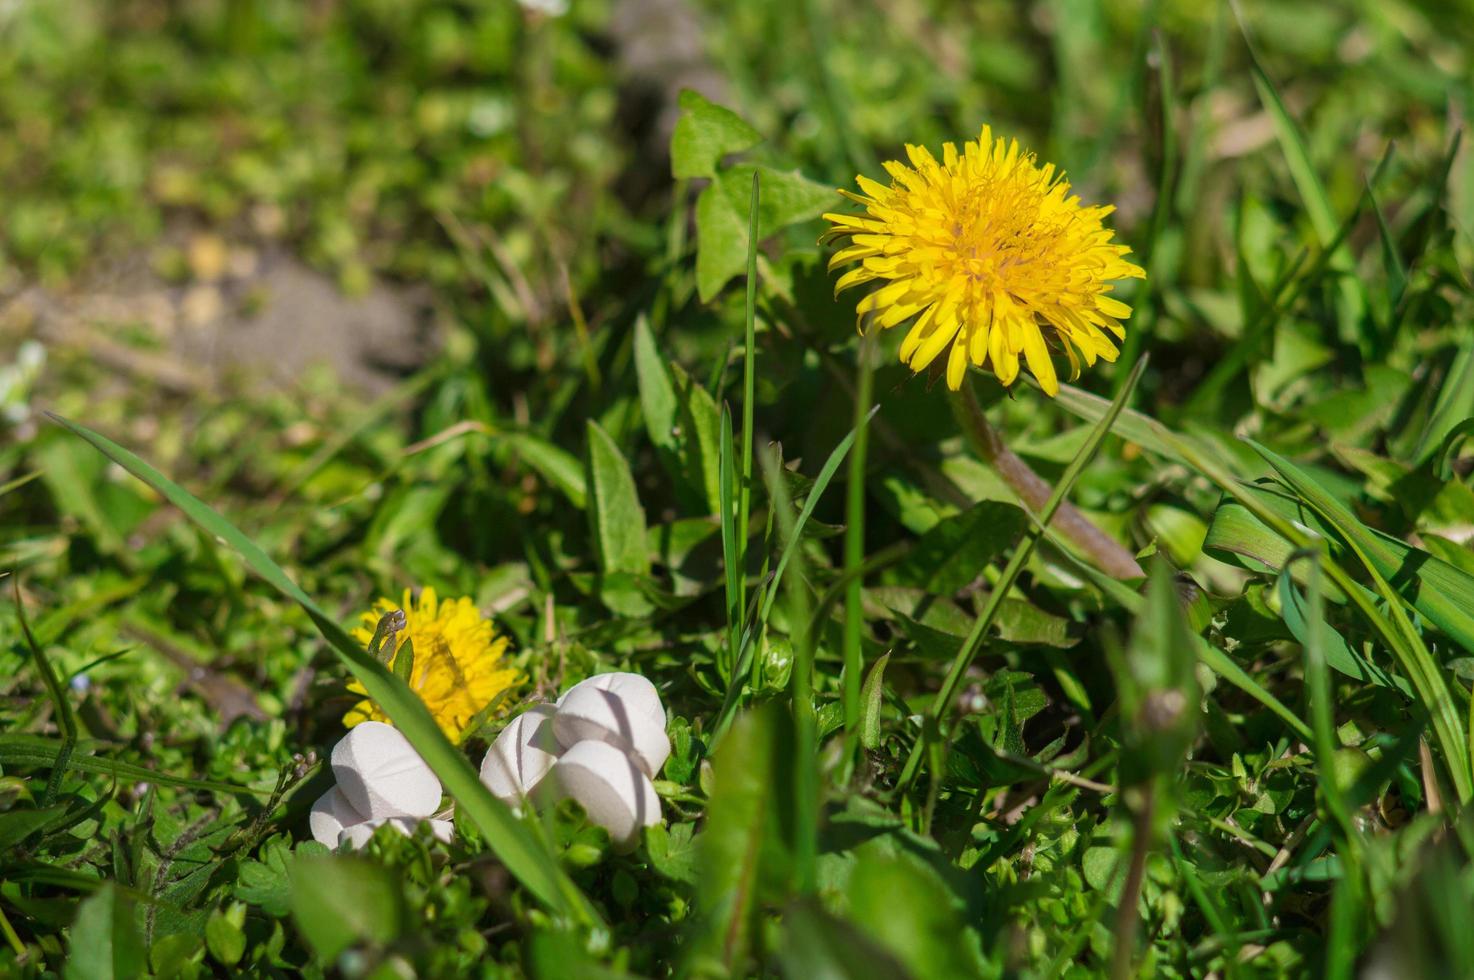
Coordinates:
988 254
457 668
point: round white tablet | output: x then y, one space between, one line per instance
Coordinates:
521 755
611 787
621 709
381 775
330 814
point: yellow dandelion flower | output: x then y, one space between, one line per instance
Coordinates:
988 254
457 667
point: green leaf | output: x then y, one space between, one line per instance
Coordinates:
560 468
338 902
721 242
658 399
618 519
721 218
788 197
817 945
1353 296
525 856
702 451
741 853
872 698
1156 684
954 553
704 134
1338 653
224 935
1455 403
905 907
1441 592
105 943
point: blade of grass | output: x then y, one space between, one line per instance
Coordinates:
1161 208
750 637
509 838
1322 717
943 701
40 750
1353 296
64 718
731 555
749 354
854 535
1397 629
801 688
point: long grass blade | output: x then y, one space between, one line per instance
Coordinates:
942 704
854 534
509 838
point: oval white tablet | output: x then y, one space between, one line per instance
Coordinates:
611 787
381 775
521 755
330 814
623 710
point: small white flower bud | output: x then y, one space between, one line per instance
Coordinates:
611 787
623 710
381 775
521 755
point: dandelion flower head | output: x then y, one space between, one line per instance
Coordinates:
458 664
989 257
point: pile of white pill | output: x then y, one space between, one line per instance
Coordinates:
601 745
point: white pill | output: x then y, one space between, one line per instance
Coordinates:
330 814
621 709
521 755
381 774
610 786
441 830
356 836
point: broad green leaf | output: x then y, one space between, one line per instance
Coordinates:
680 439
904 906
704 134
526 858
225 936
617 517
702 455
741 851
817 945
722 213
658 399
105 944
559 467
341 901
721 242
788 197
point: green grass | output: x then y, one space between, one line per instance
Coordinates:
913 734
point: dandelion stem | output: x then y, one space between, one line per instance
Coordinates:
1094 545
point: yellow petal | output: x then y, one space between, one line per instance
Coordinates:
956 365
1037 354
